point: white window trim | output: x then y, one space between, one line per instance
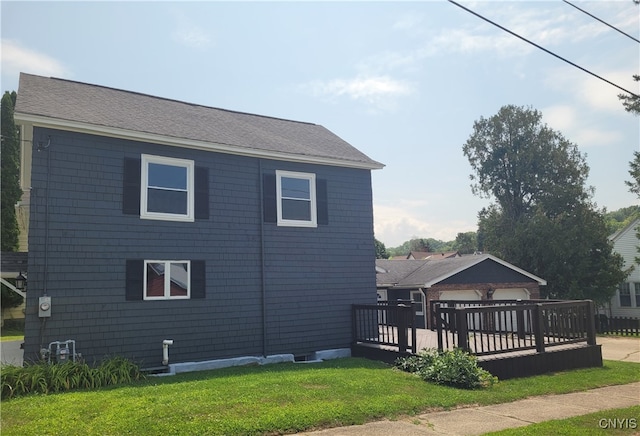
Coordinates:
144 175
311 177
420 311
167 280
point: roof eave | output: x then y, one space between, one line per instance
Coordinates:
74 126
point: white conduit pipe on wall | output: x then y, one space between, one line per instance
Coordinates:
165 351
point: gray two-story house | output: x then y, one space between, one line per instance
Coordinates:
150 219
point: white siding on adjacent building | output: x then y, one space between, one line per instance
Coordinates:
626 242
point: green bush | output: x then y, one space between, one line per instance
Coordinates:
44 378
453 368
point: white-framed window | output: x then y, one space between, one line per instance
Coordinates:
418 297
167 279
167 188
296 199
624 293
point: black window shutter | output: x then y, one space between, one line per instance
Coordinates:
270 199
201 195
198 279
131 187
134 280
322 202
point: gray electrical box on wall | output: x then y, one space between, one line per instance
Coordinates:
44 307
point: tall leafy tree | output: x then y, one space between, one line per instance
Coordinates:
466 243
381 250
10 191
631 102
10 163
542 219
634 172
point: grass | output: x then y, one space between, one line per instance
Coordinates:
11 335
274 399
607 422
12 330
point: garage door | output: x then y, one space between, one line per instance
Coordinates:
511 294
460 295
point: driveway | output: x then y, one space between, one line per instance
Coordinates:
620 348
11 353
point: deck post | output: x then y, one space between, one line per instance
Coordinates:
538 327
414 337
461 326
438 322
402 314
591 323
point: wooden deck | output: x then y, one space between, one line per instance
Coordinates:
510 339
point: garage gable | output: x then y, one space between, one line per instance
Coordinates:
488 271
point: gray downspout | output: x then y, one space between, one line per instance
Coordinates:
262 262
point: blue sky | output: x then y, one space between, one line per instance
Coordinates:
401 81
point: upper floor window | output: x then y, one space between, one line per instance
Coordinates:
167 188
296 199
166 279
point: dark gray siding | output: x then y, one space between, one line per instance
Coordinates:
311 276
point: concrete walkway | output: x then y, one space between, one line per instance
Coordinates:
481 420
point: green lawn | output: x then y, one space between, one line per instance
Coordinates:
12 335
273 399
608 422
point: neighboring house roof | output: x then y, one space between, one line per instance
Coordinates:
426 273
432 255
12 263
631 226
69 105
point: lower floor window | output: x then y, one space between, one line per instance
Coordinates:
625 295
166 279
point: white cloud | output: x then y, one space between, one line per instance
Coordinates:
568 121
193 37
590 91
379 91
396 224
188 33
560 117
16 59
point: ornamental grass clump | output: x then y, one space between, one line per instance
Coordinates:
44 378
455 368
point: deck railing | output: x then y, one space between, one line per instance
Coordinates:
617 325
494 327
388 323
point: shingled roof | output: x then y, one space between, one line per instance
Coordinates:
69 105
425 273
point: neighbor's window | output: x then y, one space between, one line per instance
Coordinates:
167 188
637 289
166 279
296 199
625 295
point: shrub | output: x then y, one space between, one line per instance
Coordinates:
44 377
453 368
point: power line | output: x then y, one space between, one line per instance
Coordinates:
543 49
603 22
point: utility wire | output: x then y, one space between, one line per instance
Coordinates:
603 22
543 49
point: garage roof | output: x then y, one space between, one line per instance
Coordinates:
426 273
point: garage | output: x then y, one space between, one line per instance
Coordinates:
461 294
511 294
